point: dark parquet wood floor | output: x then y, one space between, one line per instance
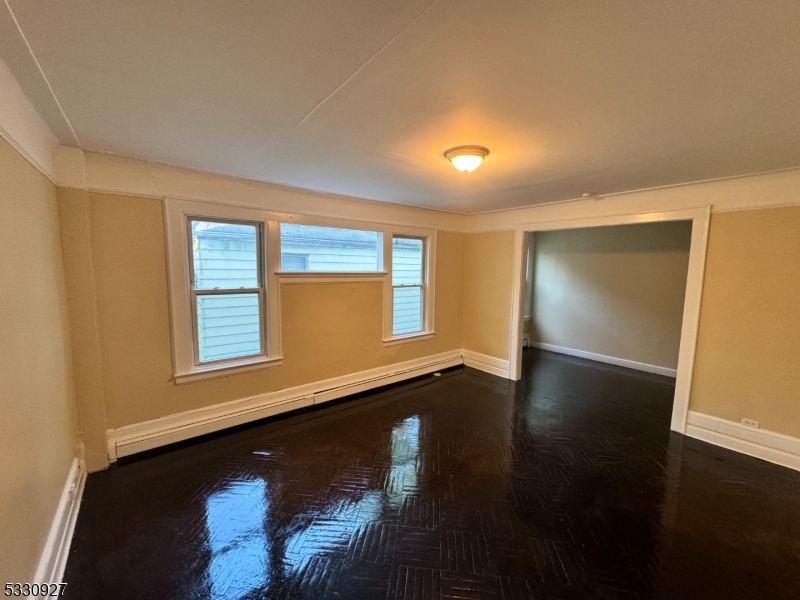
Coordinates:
567 484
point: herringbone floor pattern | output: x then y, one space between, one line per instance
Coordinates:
567 484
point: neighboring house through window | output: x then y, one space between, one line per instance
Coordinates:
227 290
408 285
329 249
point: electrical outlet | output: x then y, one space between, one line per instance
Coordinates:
751 423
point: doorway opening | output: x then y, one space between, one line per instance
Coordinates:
622 290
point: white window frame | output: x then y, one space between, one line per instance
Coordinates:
428 236
177 214
186 365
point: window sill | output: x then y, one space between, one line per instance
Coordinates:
411 337
202 373
288 277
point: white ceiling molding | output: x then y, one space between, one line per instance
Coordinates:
22 127
70 167
361 99
765 190
107 173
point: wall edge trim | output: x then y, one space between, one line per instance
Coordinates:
611 360
486 363
22 126
146 435
777 448
53 559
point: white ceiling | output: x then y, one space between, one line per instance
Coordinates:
361 98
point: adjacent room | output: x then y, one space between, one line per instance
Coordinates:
429 299
612 294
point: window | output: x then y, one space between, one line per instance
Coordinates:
227 265
227 290
329 249
223 291
294 262
408 285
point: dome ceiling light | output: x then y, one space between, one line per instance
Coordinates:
466 158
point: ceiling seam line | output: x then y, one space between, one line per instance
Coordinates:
41 72
368 61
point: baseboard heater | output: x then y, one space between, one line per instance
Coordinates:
147 435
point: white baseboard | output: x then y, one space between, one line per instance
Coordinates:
54 556
484 362
773 447
147 435
611 360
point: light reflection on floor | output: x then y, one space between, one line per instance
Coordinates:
337 523
235 520
403 475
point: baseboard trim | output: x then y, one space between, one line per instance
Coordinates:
611 360
138 437
773 447
484 362
56 549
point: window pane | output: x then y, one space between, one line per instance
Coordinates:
407 313
406 261
228 326
225 255
294 262
328 248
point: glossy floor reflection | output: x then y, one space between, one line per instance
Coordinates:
567 484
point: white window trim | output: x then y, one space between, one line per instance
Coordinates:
176 216
294 277
429 270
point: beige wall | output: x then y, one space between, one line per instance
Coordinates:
488 267
749 336
74 213
616 291
748 349
37 428
327 329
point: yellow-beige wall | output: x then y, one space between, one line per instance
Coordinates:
615 291
748 353
488 268
327 329
748 347
37 421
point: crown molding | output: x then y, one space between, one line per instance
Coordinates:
746 192
22 127
112 174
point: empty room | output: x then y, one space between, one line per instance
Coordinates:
414 300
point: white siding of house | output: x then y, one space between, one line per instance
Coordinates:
226 257
407 259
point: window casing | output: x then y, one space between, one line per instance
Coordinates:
194 285
206 293
409 255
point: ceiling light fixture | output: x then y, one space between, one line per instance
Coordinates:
466 158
